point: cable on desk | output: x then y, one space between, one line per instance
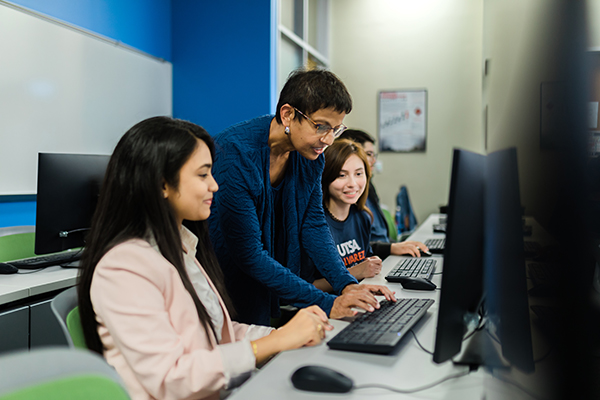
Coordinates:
477 329
31 271
414 390
419 343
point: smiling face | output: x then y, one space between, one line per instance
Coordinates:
193 198
350 183
304 137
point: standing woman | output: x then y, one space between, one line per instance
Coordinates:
268 219
157 314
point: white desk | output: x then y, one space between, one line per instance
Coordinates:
19 286
408 367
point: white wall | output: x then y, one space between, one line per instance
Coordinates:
522 41
593 14
443 45
397 44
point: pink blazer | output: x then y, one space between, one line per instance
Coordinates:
150 328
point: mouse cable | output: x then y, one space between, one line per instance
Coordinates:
438 288
517 385
478 328
419 343
32 271
414 390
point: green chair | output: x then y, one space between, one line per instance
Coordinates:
65 309
17 242
392 230
56 373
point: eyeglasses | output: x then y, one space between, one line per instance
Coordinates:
324 129
372 154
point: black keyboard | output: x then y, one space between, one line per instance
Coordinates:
412 268
47 260
380 331
439 228
436 246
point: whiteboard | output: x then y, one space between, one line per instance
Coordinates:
67 92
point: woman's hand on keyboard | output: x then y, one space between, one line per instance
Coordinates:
408 247
361 296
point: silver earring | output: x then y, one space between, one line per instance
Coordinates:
287 130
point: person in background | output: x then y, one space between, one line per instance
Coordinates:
380 241
268 218
158 315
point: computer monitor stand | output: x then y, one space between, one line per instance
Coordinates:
481 349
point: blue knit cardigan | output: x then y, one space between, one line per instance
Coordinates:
242 226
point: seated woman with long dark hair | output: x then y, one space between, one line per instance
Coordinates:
151 294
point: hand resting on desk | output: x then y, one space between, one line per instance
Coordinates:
306 328
366 269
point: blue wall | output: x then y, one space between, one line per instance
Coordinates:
220 50
221 61
15 213
142 24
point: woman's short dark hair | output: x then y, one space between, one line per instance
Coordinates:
313 90
132 205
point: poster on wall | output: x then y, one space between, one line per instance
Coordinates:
403 120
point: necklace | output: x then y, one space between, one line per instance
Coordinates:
333 216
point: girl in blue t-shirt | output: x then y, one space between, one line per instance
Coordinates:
345 184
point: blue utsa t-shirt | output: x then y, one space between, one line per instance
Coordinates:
351 238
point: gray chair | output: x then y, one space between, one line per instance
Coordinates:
65 309
59 373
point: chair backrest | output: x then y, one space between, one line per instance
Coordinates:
405 217
65 309
392 231
17 242
59 374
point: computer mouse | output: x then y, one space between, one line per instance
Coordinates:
315 378
8 269
425 253
416 283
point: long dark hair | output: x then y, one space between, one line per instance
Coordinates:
132 205
335 157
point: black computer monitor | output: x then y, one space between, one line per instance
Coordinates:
68 186
505 281
484 287
462 277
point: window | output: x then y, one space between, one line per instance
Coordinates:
302 35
